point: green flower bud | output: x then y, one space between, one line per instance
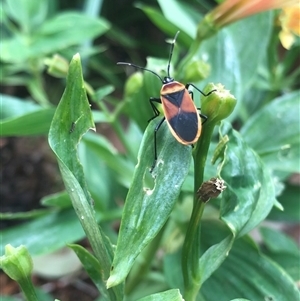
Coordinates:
196 71
58 66
133 84
16 262
219 104
206 28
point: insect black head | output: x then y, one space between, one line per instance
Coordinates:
166 79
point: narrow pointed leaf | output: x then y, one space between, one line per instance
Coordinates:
150 200
92 267
214 257
71 121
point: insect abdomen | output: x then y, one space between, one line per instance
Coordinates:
181 113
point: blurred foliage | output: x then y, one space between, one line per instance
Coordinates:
40 38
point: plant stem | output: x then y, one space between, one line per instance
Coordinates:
200 153
122 136
28 289
36 84
192 51
192 243
115 123
191 250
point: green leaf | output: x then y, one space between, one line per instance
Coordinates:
274 133
23 215
45 234
106 151
225 69
150 88
173 295
277 241
35 123
289 199
92 164
246 273
21 117
37 91
14 107
91 266
29 14
102 92
59 199
283 250
174 11
64 30
211 260
148 205
71 121
228 57
224 52
239 33
250 193
168 26
7 298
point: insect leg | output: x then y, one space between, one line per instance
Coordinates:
154 108
187 86
202 116
155 145
192 96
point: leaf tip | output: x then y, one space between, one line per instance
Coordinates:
112 281
76 57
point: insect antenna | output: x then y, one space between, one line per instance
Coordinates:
171 52
139 67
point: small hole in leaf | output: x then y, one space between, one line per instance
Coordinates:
148 179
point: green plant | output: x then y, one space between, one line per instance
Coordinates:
203 258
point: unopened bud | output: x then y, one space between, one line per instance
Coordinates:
206 28
16 262
196 71
219 104
58 66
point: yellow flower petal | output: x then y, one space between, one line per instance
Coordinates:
286 38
